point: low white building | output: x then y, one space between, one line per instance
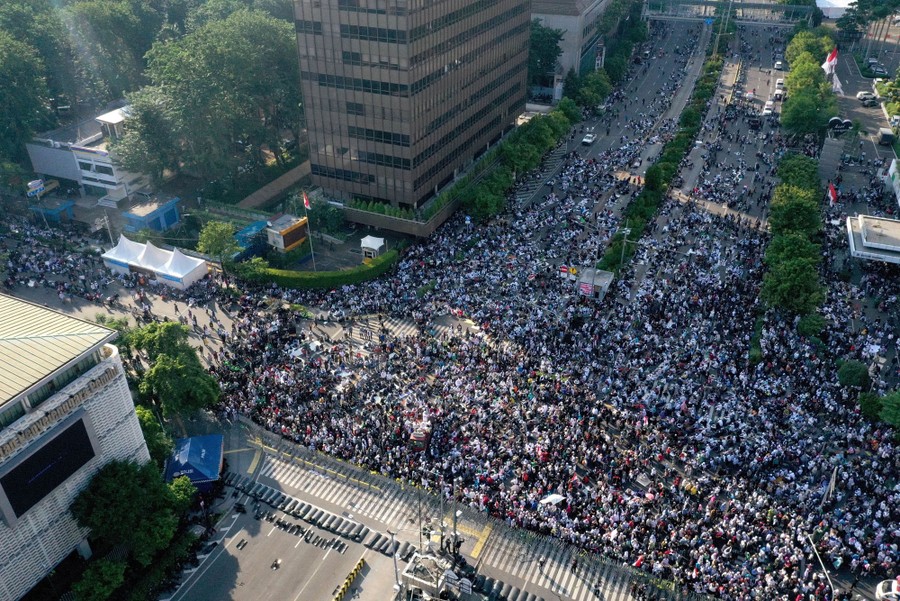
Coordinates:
79 153
874 238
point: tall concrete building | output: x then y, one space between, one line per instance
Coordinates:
401 94
65 411
578 19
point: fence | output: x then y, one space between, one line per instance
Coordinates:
429 505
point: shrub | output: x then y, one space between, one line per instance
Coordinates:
810 325
870 405
325 279
853 374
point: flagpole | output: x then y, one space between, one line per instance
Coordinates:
309 231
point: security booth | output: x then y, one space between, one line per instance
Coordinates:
371 247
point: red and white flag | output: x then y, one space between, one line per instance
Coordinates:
832 193
305 200
830 62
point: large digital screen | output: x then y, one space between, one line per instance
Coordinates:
67 448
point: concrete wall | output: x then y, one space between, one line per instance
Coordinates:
404 226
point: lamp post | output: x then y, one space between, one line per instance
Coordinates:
625 233
821 563
394 555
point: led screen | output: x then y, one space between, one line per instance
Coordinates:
48 467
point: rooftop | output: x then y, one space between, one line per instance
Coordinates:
145 203
874 238
86 132
285 221
36 341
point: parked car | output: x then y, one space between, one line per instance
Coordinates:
865 96
769 108
888 590
779 66
869 102
879 70
588 139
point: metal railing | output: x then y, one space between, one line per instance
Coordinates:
530 541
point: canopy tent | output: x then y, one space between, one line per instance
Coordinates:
371 246
199 458
170 267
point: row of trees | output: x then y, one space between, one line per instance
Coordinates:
868 16
793 256
811 102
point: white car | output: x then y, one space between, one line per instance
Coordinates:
888 590
865 96
589 139
769 108
779 65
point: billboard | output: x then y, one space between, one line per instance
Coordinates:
50 461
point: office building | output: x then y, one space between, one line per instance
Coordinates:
65 411
578 20
401 95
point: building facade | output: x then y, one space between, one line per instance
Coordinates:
65 411
400 95
578 20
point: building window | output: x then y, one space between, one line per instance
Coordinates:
104 169
375 135
356 108
85 166
303 26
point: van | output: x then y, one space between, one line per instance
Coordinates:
779 95
885 136
779 84
646 54
769 108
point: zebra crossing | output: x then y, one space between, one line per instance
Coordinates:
592 580
526 189
386 506
507 551
366 331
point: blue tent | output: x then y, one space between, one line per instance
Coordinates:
199 458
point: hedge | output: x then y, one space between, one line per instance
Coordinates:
370 270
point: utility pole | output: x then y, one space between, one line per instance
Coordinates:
108 229
455 536
827 575
394 555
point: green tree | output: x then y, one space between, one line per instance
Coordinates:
150 143
870 405
158 442
808 41
543 54
100 580
571 84
890 408
568 108
854 374
166 338
806 73
126 503
217 240
807 112
791 245
795 210
23 96
793 286
223 85
799 170
183 492
595 87
180 383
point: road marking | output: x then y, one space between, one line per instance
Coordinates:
298 542
479 545
271 531
256 457
237 451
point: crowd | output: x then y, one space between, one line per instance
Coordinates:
673 452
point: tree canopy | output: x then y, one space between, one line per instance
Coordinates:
799 170
217 240
126 503
544 53
100 580
795 209
793 285
180 383
158 442
23 95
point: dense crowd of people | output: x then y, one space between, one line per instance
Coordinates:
673 452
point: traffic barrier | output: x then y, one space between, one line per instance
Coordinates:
348 581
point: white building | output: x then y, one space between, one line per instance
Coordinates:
874 238
79 153
65 411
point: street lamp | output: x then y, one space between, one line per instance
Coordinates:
394 555
625 232
821 563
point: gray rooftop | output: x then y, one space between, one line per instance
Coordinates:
36 341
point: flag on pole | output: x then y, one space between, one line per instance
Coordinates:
832 193
830 62
836 86
305 200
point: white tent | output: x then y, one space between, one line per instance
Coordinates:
170 267
371 246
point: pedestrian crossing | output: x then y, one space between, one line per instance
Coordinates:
370 331
548 563
508 554
388 507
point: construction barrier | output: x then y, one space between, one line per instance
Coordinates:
345 587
